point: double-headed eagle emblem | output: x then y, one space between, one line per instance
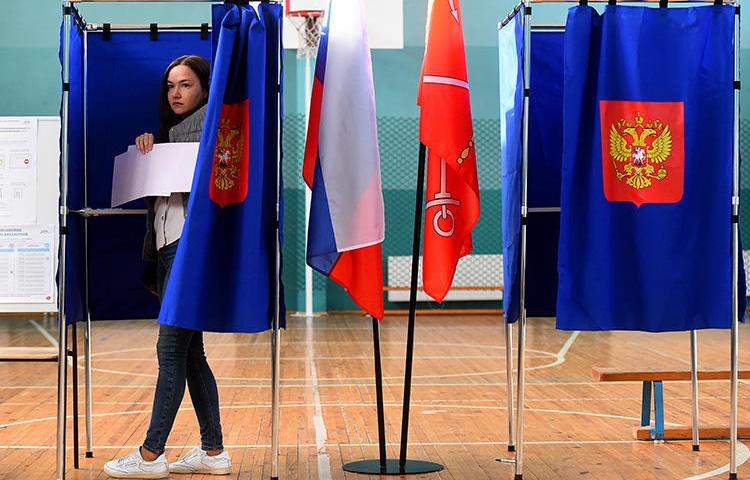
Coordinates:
639 158
227 155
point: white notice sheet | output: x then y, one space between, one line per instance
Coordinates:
27 261
18 170
166 169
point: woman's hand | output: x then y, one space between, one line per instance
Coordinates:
145 142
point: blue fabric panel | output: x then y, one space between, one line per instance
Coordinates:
115 262
218 12
545 159
124 75
510 39
545 164
543 233
545 119
664 264
74 246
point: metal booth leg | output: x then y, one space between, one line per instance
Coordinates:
73 353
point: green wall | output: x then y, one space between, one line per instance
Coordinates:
30 85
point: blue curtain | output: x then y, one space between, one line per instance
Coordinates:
510 40
545 163
645 228
224 274
545 155
74 247
122 101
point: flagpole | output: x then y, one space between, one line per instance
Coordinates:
308 191
412 304
276 332
522 289
404 464
381 465
379 392
735 250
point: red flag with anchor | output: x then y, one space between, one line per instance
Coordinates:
446 129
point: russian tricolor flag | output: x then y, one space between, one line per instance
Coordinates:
342 161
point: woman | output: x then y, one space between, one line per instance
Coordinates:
184 93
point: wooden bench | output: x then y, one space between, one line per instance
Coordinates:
607 374
653 380
28 354
51 354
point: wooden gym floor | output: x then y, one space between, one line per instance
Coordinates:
575 427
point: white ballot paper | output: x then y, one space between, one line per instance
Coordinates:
166 169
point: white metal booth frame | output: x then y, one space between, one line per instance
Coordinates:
68 18
515 425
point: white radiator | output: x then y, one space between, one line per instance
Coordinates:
472 271
478 277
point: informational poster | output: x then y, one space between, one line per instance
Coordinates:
18 170
27 262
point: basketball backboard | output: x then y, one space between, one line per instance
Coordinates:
385 22
301 5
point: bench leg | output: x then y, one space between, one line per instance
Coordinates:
658 431
646 405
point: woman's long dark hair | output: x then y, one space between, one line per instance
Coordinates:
169 119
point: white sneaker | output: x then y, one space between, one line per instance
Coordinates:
134 466
198 461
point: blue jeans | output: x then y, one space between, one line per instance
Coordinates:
181 359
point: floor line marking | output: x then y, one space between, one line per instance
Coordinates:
353 357
416 444
593 414
44 333
321 434
559 358
743 453
487 373
434 402
49 338
325 342
560 355
265 383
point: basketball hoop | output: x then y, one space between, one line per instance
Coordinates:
308 24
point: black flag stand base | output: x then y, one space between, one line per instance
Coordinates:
383 466
402 466
392 467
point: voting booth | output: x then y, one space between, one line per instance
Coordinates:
111 81
544 162
115 75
